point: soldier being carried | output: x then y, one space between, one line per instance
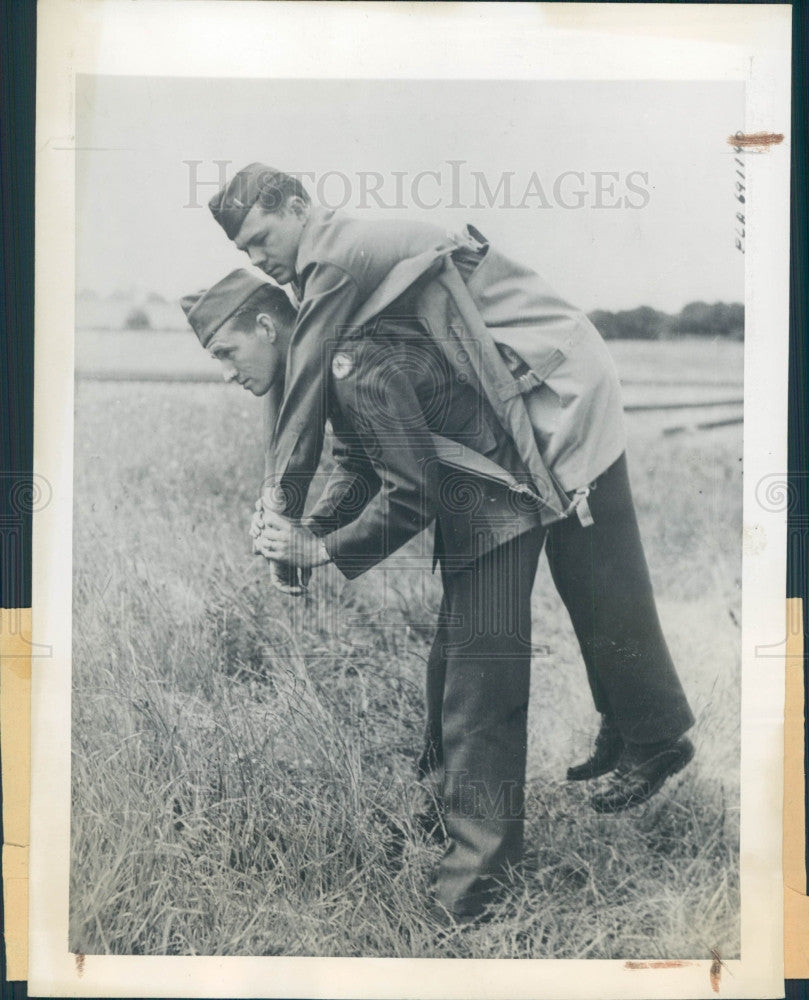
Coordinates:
391 342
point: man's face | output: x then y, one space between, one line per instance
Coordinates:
252 359
271 239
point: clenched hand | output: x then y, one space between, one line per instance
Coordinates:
281 540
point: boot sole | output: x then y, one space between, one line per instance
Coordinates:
574 775
621 806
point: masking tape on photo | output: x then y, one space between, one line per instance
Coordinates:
796 902
15 747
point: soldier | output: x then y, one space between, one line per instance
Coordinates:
348 272
416 443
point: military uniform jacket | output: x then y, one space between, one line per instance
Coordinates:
415 442
562 411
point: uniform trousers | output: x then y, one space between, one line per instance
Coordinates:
478 676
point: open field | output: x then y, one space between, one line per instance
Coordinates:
171 352
240 758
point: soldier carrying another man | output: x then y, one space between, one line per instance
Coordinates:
416 346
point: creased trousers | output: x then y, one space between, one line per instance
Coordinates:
478 676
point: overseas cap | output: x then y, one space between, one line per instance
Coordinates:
207 310
231 203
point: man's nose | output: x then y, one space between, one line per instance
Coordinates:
255 254
228 373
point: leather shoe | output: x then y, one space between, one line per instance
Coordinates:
640 772
605 756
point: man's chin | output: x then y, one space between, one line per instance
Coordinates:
280 276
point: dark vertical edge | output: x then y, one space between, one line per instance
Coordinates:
798 445
18 83
17 119
798 511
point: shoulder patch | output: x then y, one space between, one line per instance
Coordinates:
342 364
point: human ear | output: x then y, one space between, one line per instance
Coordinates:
264 320
298 207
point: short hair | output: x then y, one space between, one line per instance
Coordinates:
268 299
276 187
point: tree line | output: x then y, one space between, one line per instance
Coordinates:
699 319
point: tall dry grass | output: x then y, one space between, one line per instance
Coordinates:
242 762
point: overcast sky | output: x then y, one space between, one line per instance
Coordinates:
546 154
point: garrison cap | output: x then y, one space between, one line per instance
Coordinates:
230 204
207 310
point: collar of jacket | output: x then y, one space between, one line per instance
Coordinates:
318 217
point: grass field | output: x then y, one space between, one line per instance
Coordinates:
239 758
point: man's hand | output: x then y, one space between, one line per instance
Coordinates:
278 538
257 523
290 580
288 542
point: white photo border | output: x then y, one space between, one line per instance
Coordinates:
211 38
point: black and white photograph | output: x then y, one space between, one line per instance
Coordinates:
411 435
